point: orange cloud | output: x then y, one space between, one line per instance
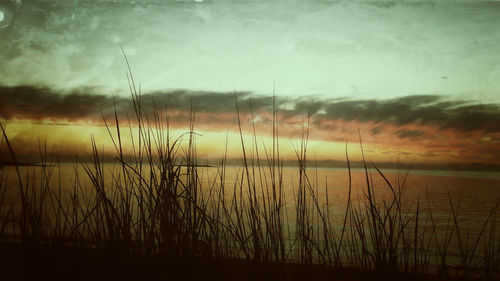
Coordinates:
422 129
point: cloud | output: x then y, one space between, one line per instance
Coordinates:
40 103
206 101
428 110
30 102
422 110
409 133
376 130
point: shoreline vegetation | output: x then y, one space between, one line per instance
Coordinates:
150 217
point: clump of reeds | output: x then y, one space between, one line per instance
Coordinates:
152 200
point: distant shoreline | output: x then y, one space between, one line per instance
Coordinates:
465 170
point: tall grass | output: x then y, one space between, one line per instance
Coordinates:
156 201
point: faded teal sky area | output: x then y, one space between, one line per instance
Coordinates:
331 49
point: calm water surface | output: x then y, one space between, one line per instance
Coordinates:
476 191
473 193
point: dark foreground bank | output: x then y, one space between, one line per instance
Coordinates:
35 262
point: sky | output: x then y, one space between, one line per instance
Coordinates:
418 80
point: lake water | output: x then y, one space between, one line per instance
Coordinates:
477 191
472 193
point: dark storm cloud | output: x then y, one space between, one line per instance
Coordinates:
376 130
424 110
212 102
39 103
409 133
308 106
399 111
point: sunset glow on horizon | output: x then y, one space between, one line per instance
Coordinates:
414 91
422 141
